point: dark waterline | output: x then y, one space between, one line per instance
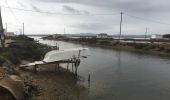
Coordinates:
121 75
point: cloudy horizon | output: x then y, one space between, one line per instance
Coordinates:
87 16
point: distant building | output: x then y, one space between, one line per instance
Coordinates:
84 35
9 34
67 35
166 36
156 36
57 36
103 35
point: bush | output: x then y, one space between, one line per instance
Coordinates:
23 48
22 38
161 48
115 43
2 60
140 45
11 57
130 44
151 46
104 42
168 50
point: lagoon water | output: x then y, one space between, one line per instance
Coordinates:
122 75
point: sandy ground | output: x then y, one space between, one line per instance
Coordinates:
56 85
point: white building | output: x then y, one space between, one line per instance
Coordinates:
67 35
55 36
156 36
9 34
102 35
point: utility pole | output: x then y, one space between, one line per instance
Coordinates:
23 28
64 31
1 24
6 27
2 35
20 31
120 26
146 32
16 33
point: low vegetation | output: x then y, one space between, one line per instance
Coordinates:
23 48
163 48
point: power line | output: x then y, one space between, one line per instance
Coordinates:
154 21
57 13
12 11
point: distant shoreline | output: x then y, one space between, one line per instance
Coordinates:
162 49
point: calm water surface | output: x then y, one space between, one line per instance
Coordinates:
122 75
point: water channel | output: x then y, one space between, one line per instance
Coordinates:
122 75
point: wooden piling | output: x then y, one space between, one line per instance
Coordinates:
76 70
67 66
58 67
55 67
72 67
35 68
89 78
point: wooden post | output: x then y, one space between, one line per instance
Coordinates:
55 67
76 65
58 67
79 54
72 67
67 66
76 70
35 68
89 80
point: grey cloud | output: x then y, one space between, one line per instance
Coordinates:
86 12
139 6
74 11
35 8
92 26
21 4
70 9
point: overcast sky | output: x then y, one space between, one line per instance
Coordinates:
87 16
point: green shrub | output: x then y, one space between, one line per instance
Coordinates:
115 43
2 60
22 38
151 46
11 57
140 45
161 48
104 42
168 50
130 44
22 48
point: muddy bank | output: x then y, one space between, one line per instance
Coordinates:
56 85
44 85
156 48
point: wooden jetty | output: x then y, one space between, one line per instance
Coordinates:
70 57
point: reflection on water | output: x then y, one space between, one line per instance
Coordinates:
121 75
